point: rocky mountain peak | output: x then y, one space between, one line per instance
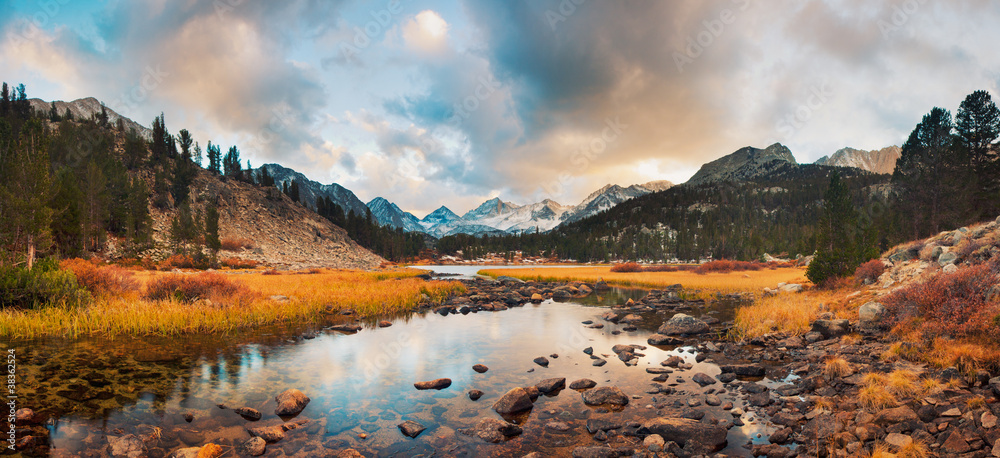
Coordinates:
877 161
745 163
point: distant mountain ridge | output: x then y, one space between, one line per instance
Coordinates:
496 216
881 161
309 189
85 108
743 164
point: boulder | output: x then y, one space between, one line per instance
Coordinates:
291 402
791 288
947 258
685 431
514 401
601 452
480 368
660 339
475 395
253 446
411 429
743 370
682 324
772 451
437 384
605 395
601 286
871 312
248 413
127 446
895 415
541 361
653 442
550 385
582 384
492 430
703 379
831 328
536 298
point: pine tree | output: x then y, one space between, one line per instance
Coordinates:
212 240
214 158
837 254
925 173
293 191
977 124
231 164
66 218
53 113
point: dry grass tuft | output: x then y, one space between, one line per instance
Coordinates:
789 313
904 383
880 450
874 394
915 449
836 367
976 402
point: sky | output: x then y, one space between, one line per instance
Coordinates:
451 102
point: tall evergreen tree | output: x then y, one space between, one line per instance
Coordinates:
231 165
66 218
925 173
214 158
977 124
212 240
837 254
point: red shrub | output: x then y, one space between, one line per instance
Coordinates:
101 280
271 272
188 288
237 263
950 304
627 267
726 266
231 244
869 272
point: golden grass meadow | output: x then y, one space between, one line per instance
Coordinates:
731 282
310 295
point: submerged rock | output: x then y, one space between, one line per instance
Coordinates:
582 384
127 446
411 429
254 446
475 395
480 368
492 430
291 402
436 384
605 395
542 361
248 413
685 431
514 401
551 384
660 339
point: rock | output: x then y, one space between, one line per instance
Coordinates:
672 361
480 368
772 451
268 433
601 286
254 446
248 413
475 395
952 412
536 298
514 401
653 442
582 384
684 431
127 446
599 362
541 361
703 379
895 415
791 288
660 339
949 269
557 426
551 384
384 324
898 440
436 384
831 328
24 416
187 452
349 453
871 312
988 420
291 402
713 400
955 444
492 430
743 370
995 384
780 436
588 350
601 452
605 395
411 429
947 258
682 324
506 279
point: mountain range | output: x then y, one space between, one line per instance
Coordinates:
878 161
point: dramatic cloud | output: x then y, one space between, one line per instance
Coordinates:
452 102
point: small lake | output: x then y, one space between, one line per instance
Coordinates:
361 385
470 271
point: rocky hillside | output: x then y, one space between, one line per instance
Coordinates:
309 189
878 161
279 232
85 108
744 164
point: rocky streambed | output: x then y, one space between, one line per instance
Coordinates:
508 369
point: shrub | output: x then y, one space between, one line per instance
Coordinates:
627 267
271 272
188 288
869 272
726 266
182 261
949 304
43 285
237 263
234 244
101 280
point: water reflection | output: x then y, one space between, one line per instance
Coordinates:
361 385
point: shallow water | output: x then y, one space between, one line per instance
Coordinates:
470 271
359 384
